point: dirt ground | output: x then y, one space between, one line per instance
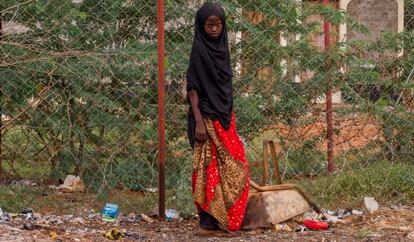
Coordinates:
386 224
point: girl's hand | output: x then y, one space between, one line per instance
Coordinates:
200 132
200 128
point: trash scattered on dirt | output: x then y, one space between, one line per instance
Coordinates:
171 214
312 215
370 204
29 226
134 218
151 190
357 212
337 216
147 218
315 224
387 224
24 182
330 212
110 212
53 235
11 233
340 214
72 184
4 217
282 228
399 207
53 219
114 234
26 211
330 219
78 221
94 216
301 229
343 213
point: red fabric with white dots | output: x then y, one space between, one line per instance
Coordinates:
231 141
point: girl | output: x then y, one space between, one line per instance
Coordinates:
221 175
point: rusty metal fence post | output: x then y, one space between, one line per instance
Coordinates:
329 118
1 105
161 108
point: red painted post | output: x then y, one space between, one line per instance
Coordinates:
1 106
161 108
329 117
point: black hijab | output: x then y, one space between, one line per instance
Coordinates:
209 71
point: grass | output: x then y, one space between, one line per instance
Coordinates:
15 198
388 183
38 171
360 176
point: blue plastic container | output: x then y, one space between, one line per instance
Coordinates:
110 212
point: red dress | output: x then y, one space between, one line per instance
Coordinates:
220 179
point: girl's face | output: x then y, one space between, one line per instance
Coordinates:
213 27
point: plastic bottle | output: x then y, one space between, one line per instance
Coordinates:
171 214
315 225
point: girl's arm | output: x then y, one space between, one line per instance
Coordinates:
200 130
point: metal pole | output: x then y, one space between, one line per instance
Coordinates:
161 108
1 105
329 117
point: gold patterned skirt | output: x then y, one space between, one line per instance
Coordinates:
221 175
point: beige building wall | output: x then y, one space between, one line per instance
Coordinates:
377 15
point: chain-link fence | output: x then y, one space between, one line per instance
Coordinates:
79 95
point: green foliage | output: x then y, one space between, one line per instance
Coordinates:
18 197
305 160
388 182
87 70
381 85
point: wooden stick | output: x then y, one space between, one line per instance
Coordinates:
265 165
275 162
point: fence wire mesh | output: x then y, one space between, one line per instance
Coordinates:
79 96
